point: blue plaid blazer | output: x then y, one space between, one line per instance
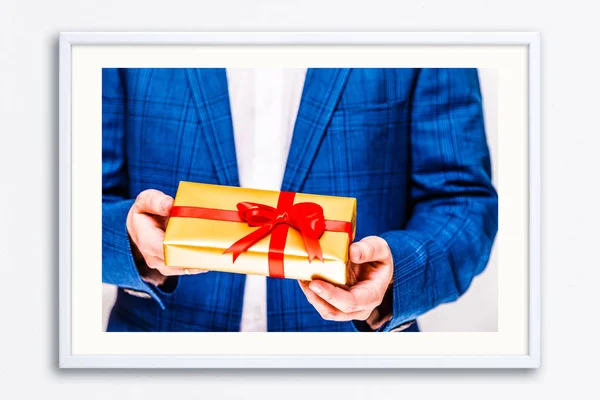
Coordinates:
408 144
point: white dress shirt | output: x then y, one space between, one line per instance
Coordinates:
264 105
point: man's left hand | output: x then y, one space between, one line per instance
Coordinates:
370 273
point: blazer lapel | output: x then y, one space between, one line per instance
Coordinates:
322 90
211 98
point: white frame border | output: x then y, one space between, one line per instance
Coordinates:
530 39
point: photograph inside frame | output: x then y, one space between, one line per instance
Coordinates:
299 200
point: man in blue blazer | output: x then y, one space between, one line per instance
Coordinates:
408 144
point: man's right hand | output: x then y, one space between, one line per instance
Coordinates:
146 224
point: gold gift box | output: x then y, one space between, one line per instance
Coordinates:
200 243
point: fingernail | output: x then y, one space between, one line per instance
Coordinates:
315 288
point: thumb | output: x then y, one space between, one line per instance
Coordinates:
154 202
371 248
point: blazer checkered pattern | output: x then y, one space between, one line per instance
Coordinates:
409 144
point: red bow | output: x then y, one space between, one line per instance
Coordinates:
307 218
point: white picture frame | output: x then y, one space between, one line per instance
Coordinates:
532 305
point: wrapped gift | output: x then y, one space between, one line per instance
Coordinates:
260 232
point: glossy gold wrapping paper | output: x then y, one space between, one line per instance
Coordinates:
200 243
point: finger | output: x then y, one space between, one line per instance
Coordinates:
159 264
154 202
376 319
371 248
341 299
150 241
368 293
153 276
154 262
326 310
176 271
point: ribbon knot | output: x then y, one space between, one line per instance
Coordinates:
283 218
307 218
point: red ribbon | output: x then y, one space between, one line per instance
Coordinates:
307 218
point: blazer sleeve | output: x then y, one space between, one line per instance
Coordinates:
454 207
118 265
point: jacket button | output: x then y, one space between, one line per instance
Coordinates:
137 293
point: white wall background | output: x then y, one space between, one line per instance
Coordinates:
28 197
477 309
